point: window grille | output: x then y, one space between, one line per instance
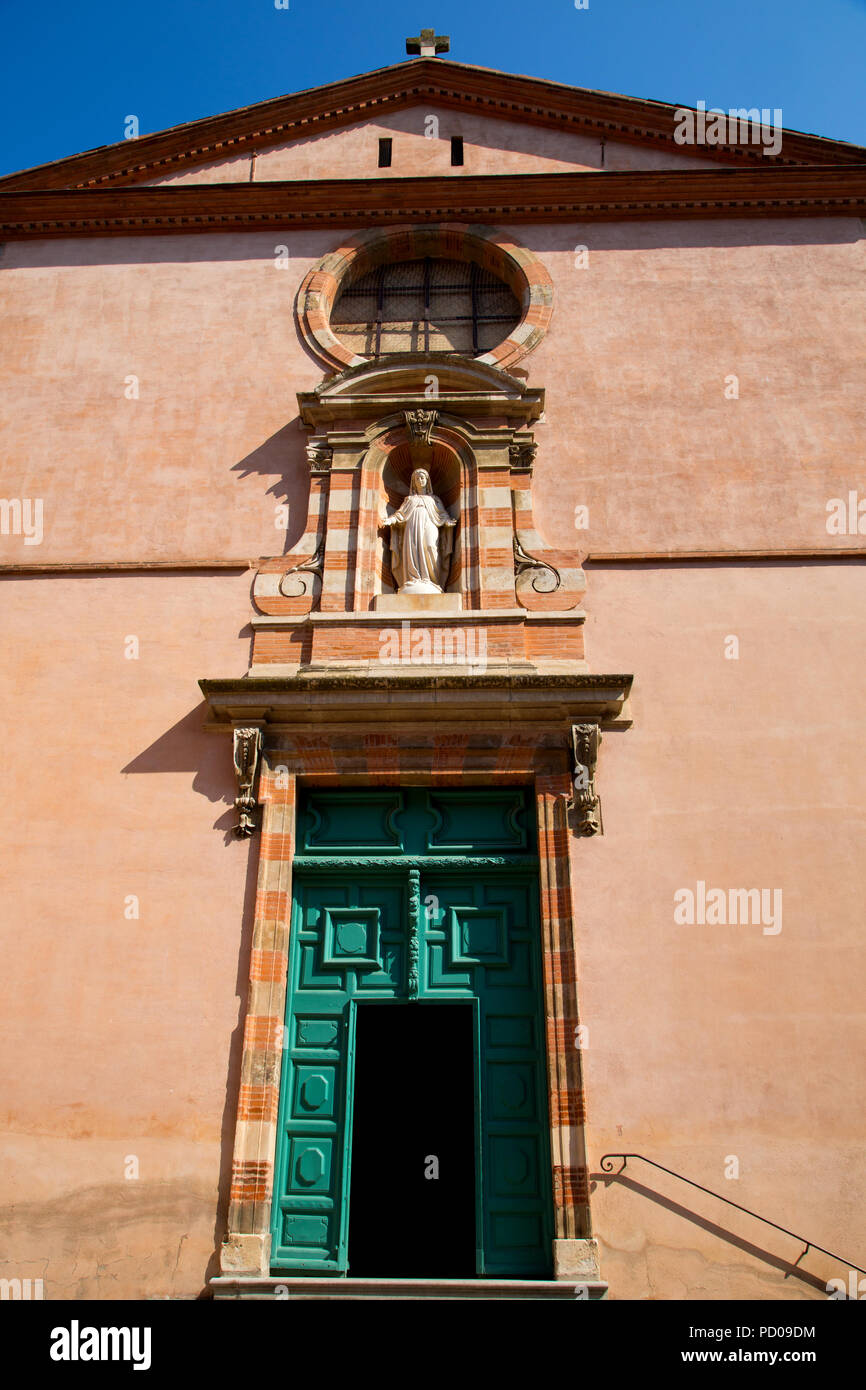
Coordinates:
430 305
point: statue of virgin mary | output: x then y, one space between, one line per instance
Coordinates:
422 539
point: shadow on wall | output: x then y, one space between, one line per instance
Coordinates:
306 248
186 747
788 1267
185 248
283 457
233 1069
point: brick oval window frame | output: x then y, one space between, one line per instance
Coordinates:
489 248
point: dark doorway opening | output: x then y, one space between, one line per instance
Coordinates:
412 1195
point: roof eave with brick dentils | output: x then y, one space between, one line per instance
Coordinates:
492 198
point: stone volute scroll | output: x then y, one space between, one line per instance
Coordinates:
531 572
301 579
421 539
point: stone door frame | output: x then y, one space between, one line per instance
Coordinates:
443 760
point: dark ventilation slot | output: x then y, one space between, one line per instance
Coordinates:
386 150
456 149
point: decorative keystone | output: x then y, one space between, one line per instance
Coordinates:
421 424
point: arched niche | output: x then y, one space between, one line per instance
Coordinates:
394 452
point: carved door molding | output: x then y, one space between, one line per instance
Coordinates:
441 761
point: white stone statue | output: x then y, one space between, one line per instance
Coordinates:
422 539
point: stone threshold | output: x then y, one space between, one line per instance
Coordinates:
318 1288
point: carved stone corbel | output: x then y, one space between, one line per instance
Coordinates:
247 753
421 424
521 454
586 805
319 455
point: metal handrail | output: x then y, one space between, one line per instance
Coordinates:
606 1164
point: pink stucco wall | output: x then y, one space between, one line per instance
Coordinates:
708 1042
120 1036
643 344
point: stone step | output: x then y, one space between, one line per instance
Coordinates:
329 1288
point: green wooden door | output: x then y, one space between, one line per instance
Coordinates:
414 895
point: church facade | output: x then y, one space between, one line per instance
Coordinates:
432 565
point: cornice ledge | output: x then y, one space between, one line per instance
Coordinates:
557 700
498 198
529 681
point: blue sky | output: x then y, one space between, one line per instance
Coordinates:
72 72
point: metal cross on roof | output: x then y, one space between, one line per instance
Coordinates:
429 44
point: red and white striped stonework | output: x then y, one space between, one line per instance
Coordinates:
567 1104
567 564
341 540
369 573
496 537
330 619
394 758
255 1134
280 587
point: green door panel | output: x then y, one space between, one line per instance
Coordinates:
415 821
488 931
477 823
375 917
348 940
360 821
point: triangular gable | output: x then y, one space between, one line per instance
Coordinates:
456 86
421 141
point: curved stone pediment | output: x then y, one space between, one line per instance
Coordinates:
407 381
